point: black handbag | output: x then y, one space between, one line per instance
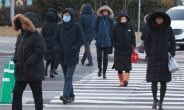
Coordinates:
141 48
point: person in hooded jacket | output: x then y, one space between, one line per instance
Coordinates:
68 39
123 38
159 41
48 31
86 19
145 28
28 59
102 26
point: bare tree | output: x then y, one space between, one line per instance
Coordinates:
125 5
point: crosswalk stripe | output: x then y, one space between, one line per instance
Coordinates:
107 93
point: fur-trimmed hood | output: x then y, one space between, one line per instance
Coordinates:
29 18
107 8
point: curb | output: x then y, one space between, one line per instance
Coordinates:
5 54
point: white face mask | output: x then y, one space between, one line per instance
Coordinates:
66 18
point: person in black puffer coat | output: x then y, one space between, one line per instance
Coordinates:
48 31
123 38
159 40
28 59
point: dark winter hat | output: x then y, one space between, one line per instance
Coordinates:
158 8
123 14
52 15
158 13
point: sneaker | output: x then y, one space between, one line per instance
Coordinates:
69 100
89 64
104 76
55 72
62 98
72 99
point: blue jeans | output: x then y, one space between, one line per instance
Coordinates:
105 51
68 71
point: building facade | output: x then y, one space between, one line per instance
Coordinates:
6 3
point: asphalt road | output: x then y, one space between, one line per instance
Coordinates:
52 87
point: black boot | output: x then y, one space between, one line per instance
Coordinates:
99 72
52 74
46 74
55 72
154 106
104 76
82 62
160 106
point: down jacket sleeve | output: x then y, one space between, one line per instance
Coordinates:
95 27
80 35
133 36
172 42
147 42
56 40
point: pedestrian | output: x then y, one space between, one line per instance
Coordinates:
102 26
145 27
159 40
68 40
144 32
28 58
48 31
81 9
123 38
86 19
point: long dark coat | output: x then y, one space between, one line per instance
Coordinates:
29 50
48 31
158 42
86 20
122 38
68 40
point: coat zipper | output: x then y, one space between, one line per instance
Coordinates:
22 38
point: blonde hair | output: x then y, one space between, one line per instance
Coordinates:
82 8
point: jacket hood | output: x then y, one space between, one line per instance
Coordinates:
87 9
159 13
107 8
158 8
52 15
70 10
28 18
123 14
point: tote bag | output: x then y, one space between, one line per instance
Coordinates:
134 56
172 64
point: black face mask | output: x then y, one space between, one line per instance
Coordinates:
123 24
